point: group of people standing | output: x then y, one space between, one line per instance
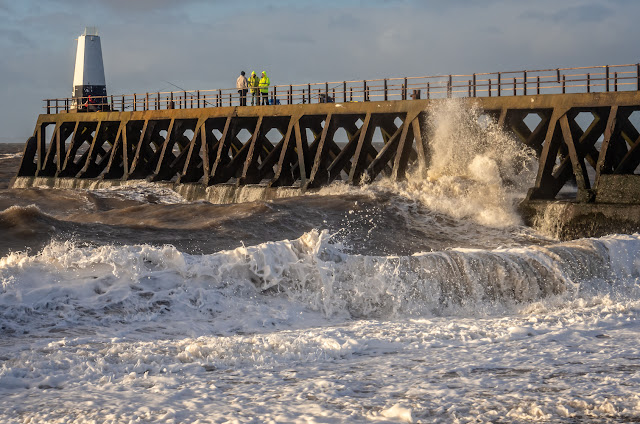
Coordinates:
259 88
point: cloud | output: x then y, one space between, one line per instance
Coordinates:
16 39
200 44
582 14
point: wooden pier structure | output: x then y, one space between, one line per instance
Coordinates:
310 136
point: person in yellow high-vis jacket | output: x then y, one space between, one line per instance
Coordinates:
253 86
264 88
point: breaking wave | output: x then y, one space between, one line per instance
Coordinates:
71 285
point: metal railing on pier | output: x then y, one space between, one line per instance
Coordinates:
604 78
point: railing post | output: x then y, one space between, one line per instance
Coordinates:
615 81
198 102
564 84
449 86
474 85
428 90
607 76
135 101
588 83
515 87
538 85
524 83
558 75
146 102
638 76
304 99
469 88
326 92
48 107
344 89
171 103
275 95
489 87
386 97
499 84
157 101
66 103
364 92
122 104
404 90
290 94
309 93
350 94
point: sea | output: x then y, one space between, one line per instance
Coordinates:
418 301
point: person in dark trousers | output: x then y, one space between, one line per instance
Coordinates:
253 84
242 86
264 88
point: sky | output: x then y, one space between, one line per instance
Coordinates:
148 45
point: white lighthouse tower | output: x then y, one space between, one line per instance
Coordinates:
89 86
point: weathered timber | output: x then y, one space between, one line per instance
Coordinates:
582 140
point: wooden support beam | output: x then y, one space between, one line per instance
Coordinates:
283 174
140 165
41 148
503 117
536 139
364 141
93 150
27 165
319 174
404 148
47 163
576 155
163 169
81 135
302 147
115 167
250 168
386 153
342 160
192 161
421 148
228 133
544 187
101 160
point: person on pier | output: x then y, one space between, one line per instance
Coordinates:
254 81
264 88
241 85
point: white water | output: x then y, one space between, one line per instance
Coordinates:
477 172
301 331
269 332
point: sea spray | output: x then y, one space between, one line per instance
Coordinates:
100 285
477 171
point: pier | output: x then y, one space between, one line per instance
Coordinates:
354 131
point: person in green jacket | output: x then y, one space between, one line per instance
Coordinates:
264 88
253 86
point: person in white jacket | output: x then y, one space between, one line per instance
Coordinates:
243 87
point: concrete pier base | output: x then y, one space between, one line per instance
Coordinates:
571 220
218 194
